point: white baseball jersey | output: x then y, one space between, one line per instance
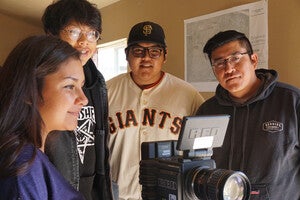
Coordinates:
137 115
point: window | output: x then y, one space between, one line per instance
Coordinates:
110 58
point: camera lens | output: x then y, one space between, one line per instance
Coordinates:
234 187
217 184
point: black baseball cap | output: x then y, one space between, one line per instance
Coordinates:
146 32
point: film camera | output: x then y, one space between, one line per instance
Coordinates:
183 169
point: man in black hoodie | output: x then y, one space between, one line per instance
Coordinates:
262 138
82 156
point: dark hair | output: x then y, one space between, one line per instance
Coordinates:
59 14
225 37
21 85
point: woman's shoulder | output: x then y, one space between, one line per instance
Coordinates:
43 177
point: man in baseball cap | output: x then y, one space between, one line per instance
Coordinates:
145 104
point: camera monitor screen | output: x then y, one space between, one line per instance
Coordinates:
202 132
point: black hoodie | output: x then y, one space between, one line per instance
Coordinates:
262 138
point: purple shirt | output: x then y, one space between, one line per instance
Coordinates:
40 181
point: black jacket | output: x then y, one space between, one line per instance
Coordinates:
262 137
61 147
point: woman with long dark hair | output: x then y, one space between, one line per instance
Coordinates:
40 91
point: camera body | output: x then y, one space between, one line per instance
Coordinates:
164 174
175 170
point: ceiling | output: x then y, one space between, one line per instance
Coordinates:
32 10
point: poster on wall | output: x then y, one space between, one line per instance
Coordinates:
251 19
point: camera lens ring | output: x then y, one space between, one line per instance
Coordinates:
206 183
190 182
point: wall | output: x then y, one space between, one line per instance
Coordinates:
12 32
284 29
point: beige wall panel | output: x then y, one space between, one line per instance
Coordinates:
12 32
118 18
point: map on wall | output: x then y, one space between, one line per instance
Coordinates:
251 19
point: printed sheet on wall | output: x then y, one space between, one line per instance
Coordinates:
251 19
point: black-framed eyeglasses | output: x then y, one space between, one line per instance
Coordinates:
232 59
76 33
140 52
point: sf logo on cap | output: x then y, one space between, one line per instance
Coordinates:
147 30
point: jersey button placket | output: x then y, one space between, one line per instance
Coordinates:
144 98
144 102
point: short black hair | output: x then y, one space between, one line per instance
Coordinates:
59 14
225 37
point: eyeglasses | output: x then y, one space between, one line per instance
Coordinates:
76 33
232 59
140 52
